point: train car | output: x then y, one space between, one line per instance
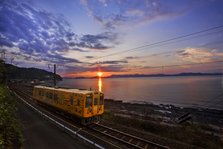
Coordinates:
86 105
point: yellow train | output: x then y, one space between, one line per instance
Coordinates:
87 105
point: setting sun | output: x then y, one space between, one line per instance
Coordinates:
100 74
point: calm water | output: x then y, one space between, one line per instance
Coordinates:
202 91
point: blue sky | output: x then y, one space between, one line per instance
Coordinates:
76 33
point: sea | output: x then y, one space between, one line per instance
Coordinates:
185 91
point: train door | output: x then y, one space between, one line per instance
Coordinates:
101 103
89 104
95 106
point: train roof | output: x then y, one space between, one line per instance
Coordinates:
80 91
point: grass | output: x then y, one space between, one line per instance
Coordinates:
10 127
192 134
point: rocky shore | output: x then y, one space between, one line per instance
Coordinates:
190 126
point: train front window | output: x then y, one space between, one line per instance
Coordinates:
95 101
101 99
89 99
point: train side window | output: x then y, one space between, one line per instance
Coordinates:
89 99
95 101
78 102
101 99
50 95
55 97
71 99
40 93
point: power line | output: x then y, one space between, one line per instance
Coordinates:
172 51
178 65
159 42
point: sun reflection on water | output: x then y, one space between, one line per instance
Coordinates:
99 84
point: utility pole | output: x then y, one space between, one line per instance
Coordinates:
55 66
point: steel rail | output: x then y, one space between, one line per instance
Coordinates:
113 133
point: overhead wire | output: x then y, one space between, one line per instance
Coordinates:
173 51
157 43
188 64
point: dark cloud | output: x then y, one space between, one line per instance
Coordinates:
111 21
131 57
95 41
89 45
89 56
109 68
108 62
113 68
183 53
78 49
61 60
114 62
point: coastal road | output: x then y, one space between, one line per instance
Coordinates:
39 133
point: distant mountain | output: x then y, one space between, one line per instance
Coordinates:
14 72
153 75
165 75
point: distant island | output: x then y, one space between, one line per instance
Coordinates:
155 75
165 75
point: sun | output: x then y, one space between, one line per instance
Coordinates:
100 74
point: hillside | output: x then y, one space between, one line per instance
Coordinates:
14 72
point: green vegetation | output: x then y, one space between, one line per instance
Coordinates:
10 128
192 134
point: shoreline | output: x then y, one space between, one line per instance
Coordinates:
162 104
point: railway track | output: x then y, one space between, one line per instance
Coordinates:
117 139
129 140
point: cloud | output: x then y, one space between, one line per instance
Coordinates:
131 12
113 68
43 35
131 57
95 41
114 62
199 55
89 57
107 63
